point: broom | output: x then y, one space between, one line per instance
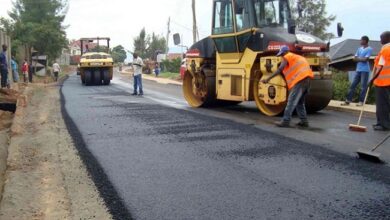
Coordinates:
357 127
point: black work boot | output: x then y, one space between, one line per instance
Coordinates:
282 124
303 124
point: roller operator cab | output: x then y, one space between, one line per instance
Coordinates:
227 67
95 68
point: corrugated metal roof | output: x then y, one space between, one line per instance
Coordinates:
348 48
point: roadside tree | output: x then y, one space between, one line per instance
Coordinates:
37 25
140 43
157 45
147 45
313 17
119 54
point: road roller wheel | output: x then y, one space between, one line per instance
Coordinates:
270 98
199 92
97 78
106 77
88 77
320 94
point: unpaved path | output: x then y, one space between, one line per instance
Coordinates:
45 178
5 124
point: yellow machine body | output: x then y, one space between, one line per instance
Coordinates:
241 56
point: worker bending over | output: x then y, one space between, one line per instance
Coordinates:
382 84
297 72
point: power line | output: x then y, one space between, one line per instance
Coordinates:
187 28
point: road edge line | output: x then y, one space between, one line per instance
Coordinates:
107 191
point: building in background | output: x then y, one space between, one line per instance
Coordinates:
64 59
75 50
342 54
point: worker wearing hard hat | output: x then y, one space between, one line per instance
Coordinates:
382 84
297 72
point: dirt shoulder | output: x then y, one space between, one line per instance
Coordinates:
45 178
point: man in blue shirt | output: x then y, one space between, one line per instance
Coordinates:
362 58
4 67
14 67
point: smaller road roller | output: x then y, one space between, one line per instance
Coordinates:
95 68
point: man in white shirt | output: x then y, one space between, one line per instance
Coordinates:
137 67
56 70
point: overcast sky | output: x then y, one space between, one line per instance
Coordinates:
123 19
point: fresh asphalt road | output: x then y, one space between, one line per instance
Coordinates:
164 160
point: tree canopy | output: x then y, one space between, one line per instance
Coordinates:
38 25
140 43
119 54
314 18
148 45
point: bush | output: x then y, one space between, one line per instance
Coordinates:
341 86
171 65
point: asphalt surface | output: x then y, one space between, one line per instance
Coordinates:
156 158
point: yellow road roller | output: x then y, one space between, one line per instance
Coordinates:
96 64
227 67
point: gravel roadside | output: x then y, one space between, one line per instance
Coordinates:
45 178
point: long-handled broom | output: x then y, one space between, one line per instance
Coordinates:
358 127
371 155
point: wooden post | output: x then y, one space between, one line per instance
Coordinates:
168 33
194 28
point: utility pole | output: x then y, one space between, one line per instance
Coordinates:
168 33
195 34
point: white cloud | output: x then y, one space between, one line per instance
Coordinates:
123 19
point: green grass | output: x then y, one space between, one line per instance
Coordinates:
169 75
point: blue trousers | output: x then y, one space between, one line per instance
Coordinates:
296 100
362 78
4 77
138 84
15 75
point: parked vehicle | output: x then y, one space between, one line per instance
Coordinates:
183 68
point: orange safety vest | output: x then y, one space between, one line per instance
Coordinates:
383 78
297 69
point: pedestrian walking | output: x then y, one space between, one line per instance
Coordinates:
361 58
56 70
31 70
382 85
25 70
4 66
15 73
137 67
157 69
298 74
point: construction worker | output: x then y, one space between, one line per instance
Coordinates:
297 72
382 84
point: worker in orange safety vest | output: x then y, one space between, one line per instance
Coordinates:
298 74
381 81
